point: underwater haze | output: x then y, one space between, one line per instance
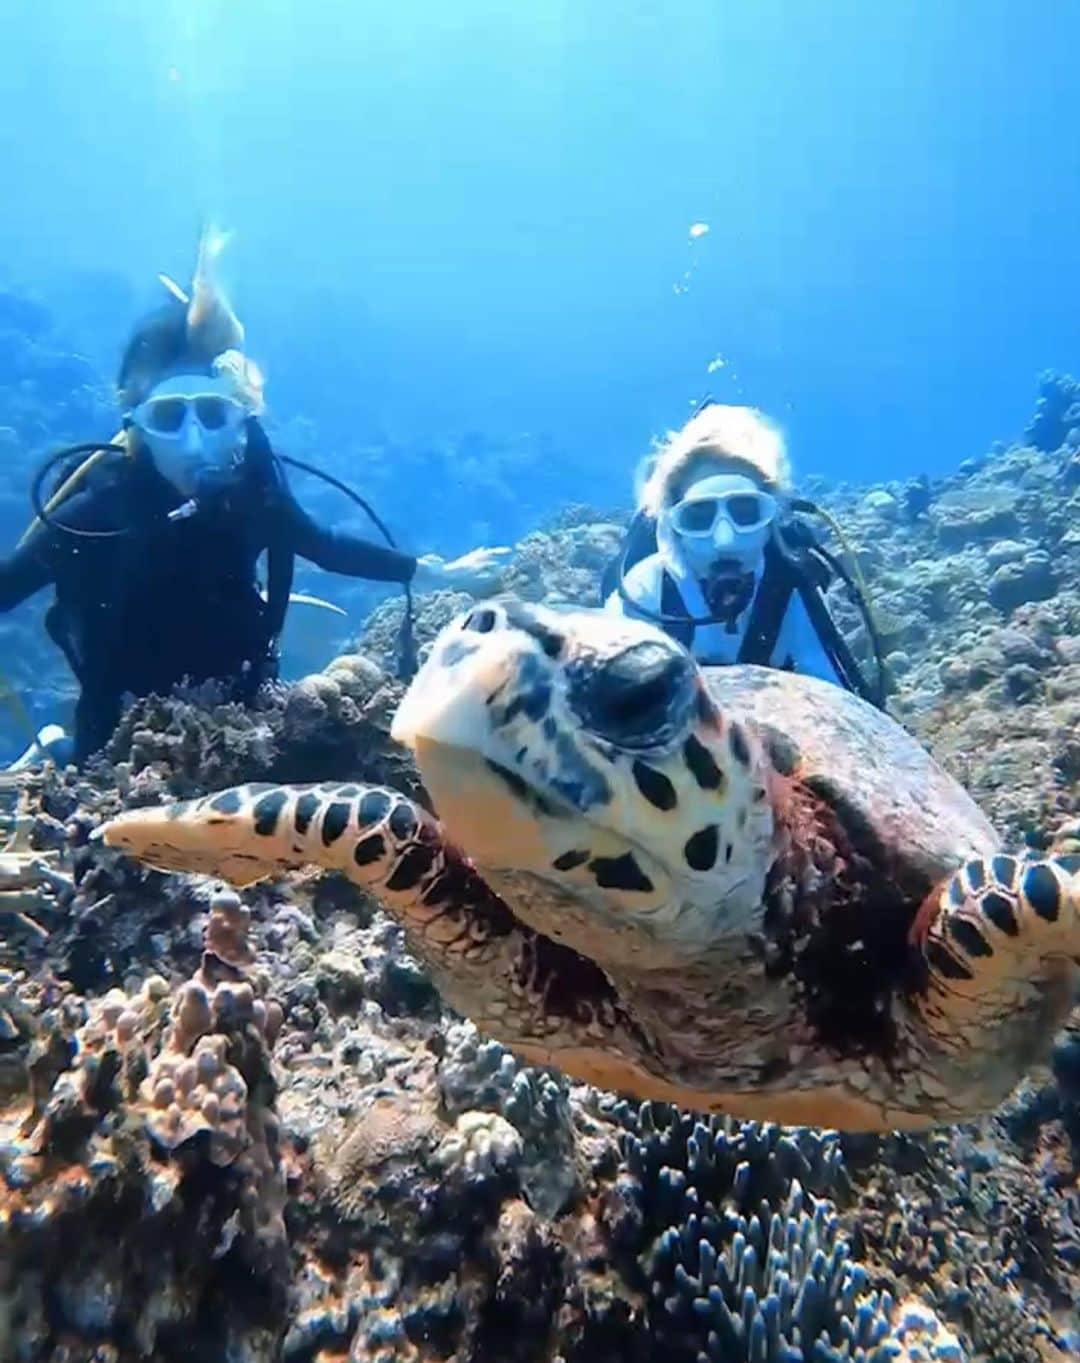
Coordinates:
486 253
473 220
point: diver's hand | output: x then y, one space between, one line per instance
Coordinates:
478 572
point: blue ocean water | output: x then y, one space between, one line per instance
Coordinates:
465 241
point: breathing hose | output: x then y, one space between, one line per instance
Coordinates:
98 451
407 657
853 580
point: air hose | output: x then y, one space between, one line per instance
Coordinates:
855 582
97 452
407 656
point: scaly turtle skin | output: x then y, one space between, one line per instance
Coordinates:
738 890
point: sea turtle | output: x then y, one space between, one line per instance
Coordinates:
735 889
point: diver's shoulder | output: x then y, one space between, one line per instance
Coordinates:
644 580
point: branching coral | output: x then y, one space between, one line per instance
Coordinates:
333 724
738 1260
180 744
777 1286
142 1170
476 1073
668 1150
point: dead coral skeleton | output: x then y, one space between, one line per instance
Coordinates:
31 881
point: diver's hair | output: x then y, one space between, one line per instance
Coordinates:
160 345
741 439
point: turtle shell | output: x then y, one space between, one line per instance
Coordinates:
863 763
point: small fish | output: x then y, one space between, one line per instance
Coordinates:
212 326
303 599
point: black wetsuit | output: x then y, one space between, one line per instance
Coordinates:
175 600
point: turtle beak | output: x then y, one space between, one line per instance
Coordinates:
448 701
446 718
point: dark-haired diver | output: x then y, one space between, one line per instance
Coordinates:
720 557
151 544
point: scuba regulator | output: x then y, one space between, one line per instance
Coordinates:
808 568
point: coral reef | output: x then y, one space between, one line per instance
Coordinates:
381 634
246 1127
1056 422
141 1169
475 1072
776 1286
335 723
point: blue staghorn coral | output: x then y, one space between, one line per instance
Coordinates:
777 1287
739 1259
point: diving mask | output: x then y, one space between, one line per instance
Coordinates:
718 529
723 514
193 427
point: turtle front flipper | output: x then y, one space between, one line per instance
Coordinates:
1001 943
550 1003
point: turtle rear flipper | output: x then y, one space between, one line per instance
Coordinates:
1001 938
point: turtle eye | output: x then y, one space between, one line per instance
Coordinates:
481 621
637 698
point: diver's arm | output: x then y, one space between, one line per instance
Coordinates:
476 572
25 571
339 552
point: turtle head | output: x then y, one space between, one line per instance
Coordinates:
581 753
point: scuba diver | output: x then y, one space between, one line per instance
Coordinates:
721 556
151 543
